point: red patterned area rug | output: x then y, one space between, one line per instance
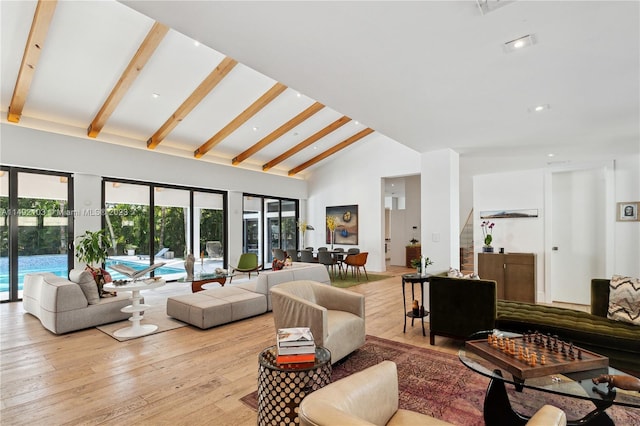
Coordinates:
438 384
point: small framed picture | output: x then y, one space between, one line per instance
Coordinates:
628 211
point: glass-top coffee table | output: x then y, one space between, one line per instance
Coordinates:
205 278
551 379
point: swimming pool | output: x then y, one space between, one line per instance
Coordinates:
57 264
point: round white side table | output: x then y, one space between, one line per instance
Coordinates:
136 329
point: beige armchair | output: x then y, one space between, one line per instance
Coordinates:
335 316
370 397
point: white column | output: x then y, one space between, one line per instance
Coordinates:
440 205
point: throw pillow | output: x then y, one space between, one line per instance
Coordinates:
277 265
101 277
87 283
454 273
624 299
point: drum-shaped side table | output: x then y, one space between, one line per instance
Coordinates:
281 389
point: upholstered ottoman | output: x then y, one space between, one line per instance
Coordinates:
217 306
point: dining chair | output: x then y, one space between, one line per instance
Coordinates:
322 249
326 258
357 261
307 256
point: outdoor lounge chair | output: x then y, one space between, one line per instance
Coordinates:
160 253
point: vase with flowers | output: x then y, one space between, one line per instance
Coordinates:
487 232
332 223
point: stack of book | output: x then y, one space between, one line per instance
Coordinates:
296 347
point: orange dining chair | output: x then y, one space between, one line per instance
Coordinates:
357 261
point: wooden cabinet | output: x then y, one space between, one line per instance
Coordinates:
413 252
515 274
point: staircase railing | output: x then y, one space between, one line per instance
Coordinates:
466 246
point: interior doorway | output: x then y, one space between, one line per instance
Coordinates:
402 216
578 233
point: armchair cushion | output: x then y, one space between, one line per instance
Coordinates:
368 397
335 316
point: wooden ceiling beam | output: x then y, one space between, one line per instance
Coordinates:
35 42
361 134
139 60
233 125
208 84
305 143
304 115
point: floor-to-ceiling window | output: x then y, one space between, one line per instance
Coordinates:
268 223
152 223
35 226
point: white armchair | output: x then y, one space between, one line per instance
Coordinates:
370 397
335 316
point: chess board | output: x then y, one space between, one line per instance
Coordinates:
555 361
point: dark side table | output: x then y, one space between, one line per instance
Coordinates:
281 389
414 279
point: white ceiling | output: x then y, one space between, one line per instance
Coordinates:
428 74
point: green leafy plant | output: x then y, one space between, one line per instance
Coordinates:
92 247
417 263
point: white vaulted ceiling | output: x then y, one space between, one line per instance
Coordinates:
428 74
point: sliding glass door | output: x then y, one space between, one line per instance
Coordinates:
270 222
35 227
151 223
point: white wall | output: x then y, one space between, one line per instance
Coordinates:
90 160
527 190
513 190
627 234
355 177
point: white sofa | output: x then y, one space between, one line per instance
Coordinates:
221 305
63 305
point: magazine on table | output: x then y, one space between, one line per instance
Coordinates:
296 336
134 273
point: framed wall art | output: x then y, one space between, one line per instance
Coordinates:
628 211
345 219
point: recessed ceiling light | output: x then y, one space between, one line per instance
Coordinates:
315 147
550 155
255 128
356 122
196 43
519 43
299 94
155 95
539 108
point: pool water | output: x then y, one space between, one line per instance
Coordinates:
57 264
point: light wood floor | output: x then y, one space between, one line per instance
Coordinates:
182 376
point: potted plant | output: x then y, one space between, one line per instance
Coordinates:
131 249
92 248
487 231
417 263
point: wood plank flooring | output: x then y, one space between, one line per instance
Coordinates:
183 376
